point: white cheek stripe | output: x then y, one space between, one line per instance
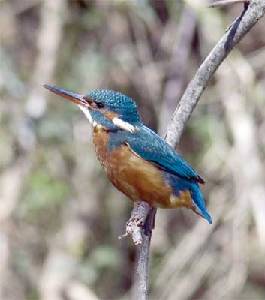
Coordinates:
87 113
116 121
123 124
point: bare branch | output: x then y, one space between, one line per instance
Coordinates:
136 222
140 289
207 69
186 105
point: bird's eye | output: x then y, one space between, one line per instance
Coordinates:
99 104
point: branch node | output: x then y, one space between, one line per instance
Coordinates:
136 223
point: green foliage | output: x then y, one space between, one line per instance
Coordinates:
43 198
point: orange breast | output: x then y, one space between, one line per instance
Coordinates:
135 177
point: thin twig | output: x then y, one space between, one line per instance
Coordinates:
189 100
217 3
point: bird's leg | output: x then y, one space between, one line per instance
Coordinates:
149 224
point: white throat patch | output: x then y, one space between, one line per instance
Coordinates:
88 116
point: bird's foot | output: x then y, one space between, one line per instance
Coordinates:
149 224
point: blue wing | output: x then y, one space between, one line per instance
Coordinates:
150 146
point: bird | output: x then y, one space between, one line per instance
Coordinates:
137 160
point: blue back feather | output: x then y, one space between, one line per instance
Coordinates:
150 146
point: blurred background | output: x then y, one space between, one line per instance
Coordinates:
59 217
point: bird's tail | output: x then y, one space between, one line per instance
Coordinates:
200 203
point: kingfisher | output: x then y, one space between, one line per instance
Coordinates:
136 160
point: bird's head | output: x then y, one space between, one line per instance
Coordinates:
101 105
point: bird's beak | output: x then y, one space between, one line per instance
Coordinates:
73 97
